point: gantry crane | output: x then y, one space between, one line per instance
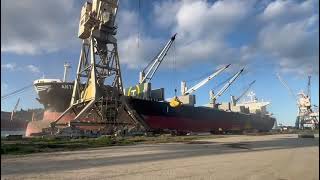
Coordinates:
306 115
98 64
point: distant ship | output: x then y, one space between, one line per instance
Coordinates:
13 124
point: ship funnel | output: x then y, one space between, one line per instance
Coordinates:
66 68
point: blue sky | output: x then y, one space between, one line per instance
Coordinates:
266 37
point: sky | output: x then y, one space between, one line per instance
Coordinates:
265 37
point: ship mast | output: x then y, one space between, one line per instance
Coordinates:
66 68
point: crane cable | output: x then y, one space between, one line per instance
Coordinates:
16 92
174 68
222 83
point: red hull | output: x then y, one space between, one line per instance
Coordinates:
181 124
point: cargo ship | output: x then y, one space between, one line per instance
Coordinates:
181 115
155 114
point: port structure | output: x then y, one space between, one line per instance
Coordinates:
307 116
98 64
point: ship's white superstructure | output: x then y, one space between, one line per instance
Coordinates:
254 105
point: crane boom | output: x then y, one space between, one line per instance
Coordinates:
309 87
286 86
245 92
206 80
154 65
14 109
227 85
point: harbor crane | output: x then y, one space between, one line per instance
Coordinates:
185 91
214 97
236 100
98 63
306 116
148 72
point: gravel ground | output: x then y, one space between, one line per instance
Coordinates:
279 157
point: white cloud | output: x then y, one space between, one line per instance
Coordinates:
201 18
13 67
164 13
290 34
203 27
288 11
134 56
37 26
4 88
9 66
134 51
285 31
33 68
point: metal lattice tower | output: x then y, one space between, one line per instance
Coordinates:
305 115
98 85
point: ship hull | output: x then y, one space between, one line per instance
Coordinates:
54 96
161 116
36 127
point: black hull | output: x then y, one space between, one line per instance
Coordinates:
161 116
55 96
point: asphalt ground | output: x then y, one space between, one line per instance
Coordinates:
279 157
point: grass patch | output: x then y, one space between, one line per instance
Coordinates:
34 145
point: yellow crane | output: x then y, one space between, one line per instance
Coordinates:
98 64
